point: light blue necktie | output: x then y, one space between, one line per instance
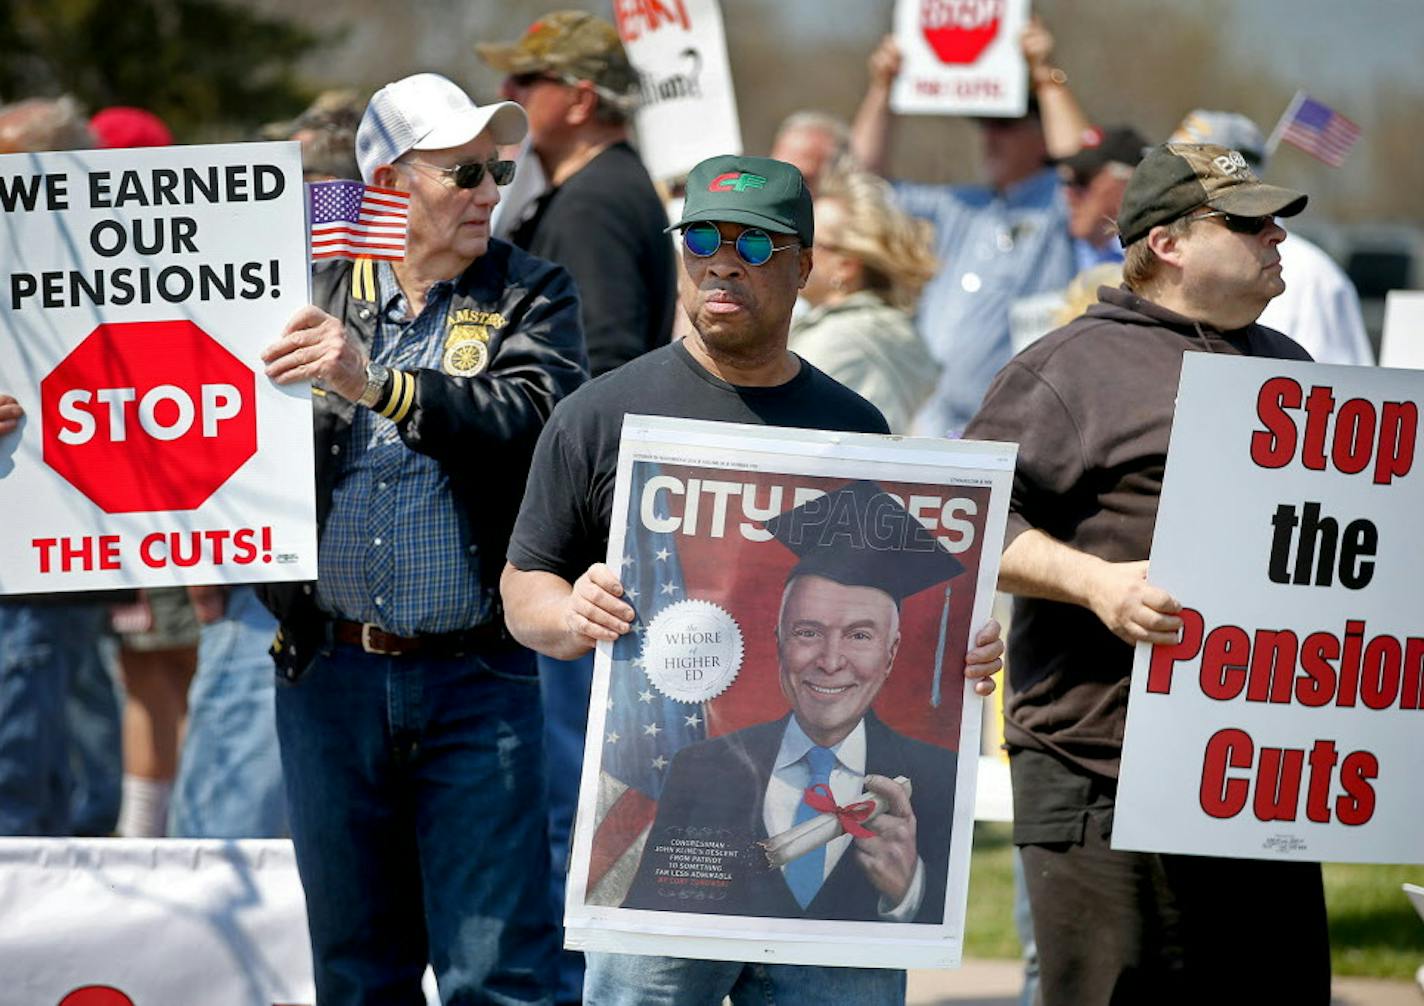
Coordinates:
805 874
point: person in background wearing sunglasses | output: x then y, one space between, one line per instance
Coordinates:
747 232
408 719
572 78
1094 179
1091 406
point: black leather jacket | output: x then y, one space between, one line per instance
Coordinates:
481 428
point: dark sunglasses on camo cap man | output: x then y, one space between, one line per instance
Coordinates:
469 176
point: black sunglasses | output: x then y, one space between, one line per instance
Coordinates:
524 80
753 245
469 176
1238 224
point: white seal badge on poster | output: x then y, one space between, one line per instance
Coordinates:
960 57
1285 723
688 109
137 292
792 685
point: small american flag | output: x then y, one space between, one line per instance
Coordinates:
1318 129
350 220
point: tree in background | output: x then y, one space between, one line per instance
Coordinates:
208 68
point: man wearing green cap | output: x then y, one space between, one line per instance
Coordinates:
747 233
1092 407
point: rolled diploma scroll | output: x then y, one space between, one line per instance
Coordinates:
818 831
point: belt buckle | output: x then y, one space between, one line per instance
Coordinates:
371 648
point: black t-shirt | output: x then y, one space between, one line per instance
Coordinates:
568 502
605 225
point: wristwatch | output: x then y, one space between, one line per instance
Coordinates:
377 376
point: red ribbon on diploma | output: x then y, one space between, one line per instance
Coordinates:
820 798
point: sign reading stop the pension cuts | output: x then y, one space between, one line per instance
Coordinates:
689 110
961 57
1288 722
137 291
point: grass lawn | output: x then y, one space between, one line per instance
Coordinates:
1374 931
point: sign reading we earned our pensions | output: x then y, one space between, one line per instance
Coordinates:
137 291
1288 722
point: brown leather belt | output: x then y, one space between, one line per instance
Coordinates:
374 639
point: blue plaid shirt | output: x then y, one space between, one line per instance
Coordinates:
394 550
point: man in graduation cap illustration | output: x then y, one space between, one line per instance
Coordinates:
860 554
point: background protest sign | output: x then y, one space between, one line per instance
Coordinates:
725 533
137 291
1287 721
961 57
689 109
1402 344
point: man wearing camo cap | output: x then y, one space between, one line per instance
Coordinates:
1092 406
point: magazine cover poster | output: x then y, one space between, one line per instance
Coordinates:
775 749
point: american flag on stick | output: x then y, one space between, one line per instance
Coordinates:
1316 128
351 220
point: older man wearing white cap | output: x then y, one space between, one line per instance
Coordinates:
409 720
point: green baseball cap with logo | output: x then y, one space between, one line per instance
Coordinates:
1176 178
571 44
756 191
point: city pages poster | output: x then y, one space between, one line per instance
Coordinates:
781 754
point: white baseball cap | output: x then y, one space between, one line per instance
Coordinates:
429 112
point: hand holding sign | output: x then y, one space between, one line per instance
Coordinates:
315 347
10 413
1132 608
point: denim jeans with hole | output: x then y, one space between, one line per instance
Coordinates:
629 980
230 775
416 793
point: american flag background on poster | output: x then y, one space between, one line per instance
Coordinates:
353 220
702 808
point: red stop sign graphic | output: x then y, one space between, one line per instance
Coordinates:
148 416
960 30
96 995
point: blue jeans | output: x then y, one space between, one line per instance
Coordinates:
230 775
629 980
565 686
416 793
42 647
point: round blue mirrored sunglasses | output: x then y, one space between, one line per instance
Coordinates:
753 245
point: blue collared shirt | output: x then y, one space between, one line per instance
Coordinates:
395 549
993 248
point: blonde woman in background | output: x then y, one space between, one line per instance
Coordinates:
871 261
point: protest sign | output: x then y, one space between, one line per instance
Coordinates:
689 109
1402 344
137 292
804 603
1286 722
960 57
109 922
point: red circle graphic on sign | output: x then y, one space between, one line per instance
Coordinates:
960 30
96 995
145 416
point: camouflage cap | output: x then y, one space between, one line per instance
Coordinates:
756 191
1176 178
572 44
